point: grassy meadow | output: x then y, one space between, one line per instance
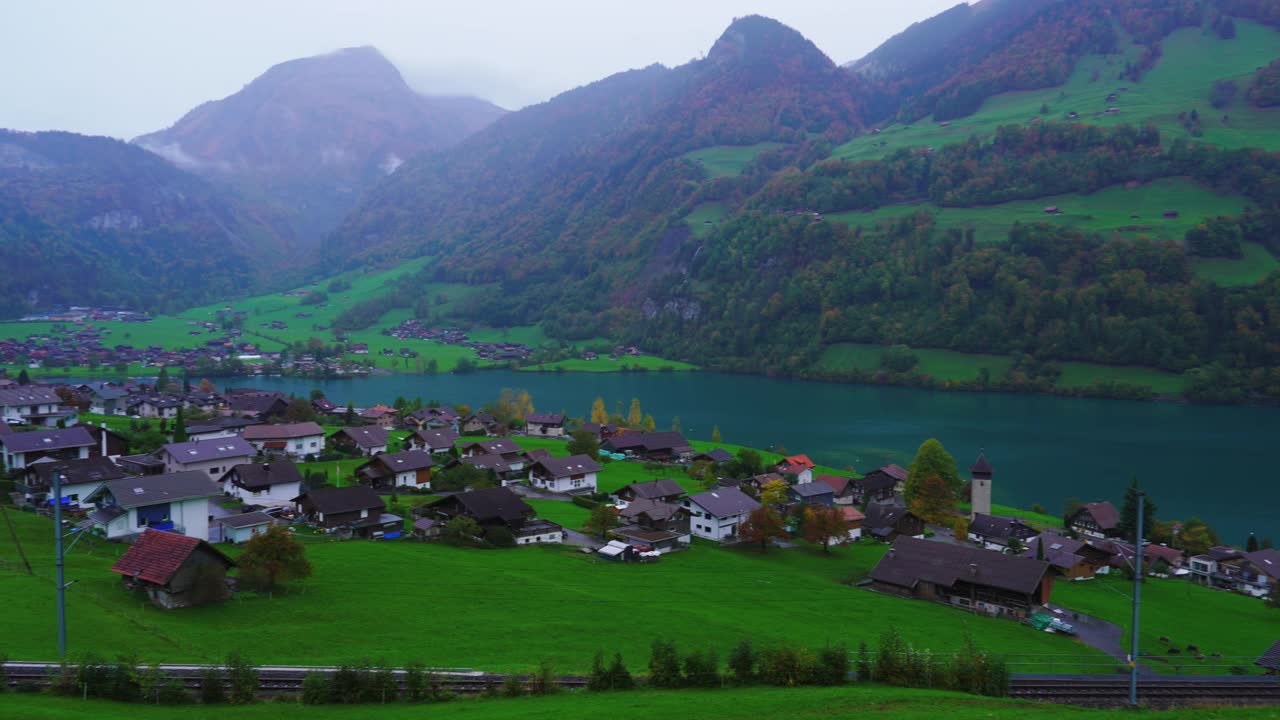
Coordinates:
704 217
1254 264
728 160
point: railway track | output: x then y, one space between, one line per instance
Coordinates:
1170 691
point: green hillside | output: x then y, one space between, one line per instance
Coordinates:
728 160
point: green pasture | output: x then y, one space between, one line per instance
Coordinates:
940 364
1079 374
728 160
703 218
1254 264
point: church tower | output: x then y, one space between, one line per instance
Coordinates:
980 486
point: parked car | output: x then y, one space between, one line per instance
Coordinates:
15 421
1062 626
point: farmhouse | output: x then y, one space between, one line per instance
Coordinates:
716 456
653 523
379 416
295 440
656 446
175 571
601 431
243 527
269 483
213 457
260 406
436 418
798 465
105 399
176 502
544 425
367 441
887 522
434 441
979 580
80 478
20 449
30 405
665 490
499 507
409 469
356 509
482 423
1096 520
576 474
505 449
718 514
842 488
994 532
106 443
880 485
1071 559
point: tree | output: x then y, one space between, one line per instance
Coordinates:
1015 547
664 665
715 433
349 418
162 380
742 664
1196 537
933 500
774 493
675 424
932 459
764 526
1128 522
180 427
649 424
822 525
461 530
634 416
584 443
598 414
1251 545
23 377
207 387
273 558
603 519
299 410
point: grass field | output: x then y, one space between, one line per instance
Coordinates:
1255 263
728 160
940 364
604 364
859 701
1114 211
704 218
1078 374
1193 60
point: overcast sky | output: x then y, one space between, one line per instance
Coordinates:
128 67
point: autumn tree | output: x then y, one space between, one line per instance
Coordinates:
774 493
273 558
715 433
634 415
603 519
763 525
931 460
649 424
934 500
822 525
598 414
1196 537
675 424
207 387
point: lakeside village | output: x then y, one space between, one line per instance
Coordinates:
184 471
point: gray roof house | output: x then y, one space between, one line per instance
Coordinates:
214 457
176 502
718 514
17 450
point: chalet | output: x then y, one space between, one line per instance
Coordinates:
798 465
718 514
506 472
656 515
20 449
982 581
107 399
367 441
261 406
409 469
295 440
505 449
879 485
80 478
163 407
1152 554
853 519
205 433
434 418
544 425
715 457
29 405
176 502
269 483
655 446
213 457
175 571
601 431
664 490
574 474
1096 520
482 423
842 488
356 509
244 526
206 403
1071 559
812 494
499 507
994 532
379 416
434 441
887 522
1226 568
1270 660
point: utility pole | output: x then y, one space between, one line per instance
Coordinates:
1137 600
58 553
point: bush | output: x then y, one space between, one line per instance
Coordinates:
512 687
172 692
544 680
243 680
212 691
499 536
833 665
664 665
619 676
701 669
787 666
742 664
587 503
864 662
315 689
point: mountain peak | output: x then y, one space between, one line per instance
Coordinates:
758 40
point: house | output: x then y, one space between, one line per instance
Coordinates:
798 465
163 407
482 423
269 483
812 494
574 474
295 440
983 581
853 519
432 418
243 527
1267 561
19 449
28 405
322 406
261 406
1270 660
206 403
664 490
409 469
718 514
1096 520
106 442
504 471
994 532
175 570
544 425
1071 559
654 525
427 528
367 441
356 508
204 433
1152 554
1226 568
105 399
499 507
80 478
379 416
879 485
886 522
434 441
213 457
842 488
655 446
715 457
509 452
601 431
176 502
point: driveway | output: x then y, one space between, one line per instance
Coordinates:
1097 634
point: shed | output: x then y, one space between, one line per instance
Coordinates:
175 570
241 528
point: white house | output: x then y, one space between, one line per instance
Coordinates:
213 457
241 528
79 479
544 425
272 483
296 440
717 514
20 449
572 474
30 405
176 502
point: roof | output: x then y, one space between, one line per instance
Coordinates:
718 455
995 526
131 492
573 465
338 500
282 432
545 418
253 402
406 461
1103 513
879 479
837 483
494 447
879 515
244 520
487 462
980 466
1059 551
1267 560
805 490
653 509
649 441
1271 658
254 476
29 395
725 502
366 437
156 556
911 561
438 438
851 514
897 472
665 487
491 504
797 461
215 449
74 472
24 442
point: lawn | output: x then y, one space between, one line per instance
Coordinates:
940 364
728 160
1254 264
492 609
562 513
859 701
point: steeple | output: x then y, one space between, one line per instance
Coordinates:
980 486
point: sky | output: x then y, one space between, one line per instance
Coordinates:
128 67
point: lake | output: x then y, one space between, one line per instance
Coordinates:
1195 460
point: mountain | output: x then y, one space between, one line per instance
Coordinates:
93 220
310 135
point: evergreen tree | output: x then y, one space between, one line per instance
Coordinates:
23 377
1251 545
350 418
180 427
162 380
649 424
1129 513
